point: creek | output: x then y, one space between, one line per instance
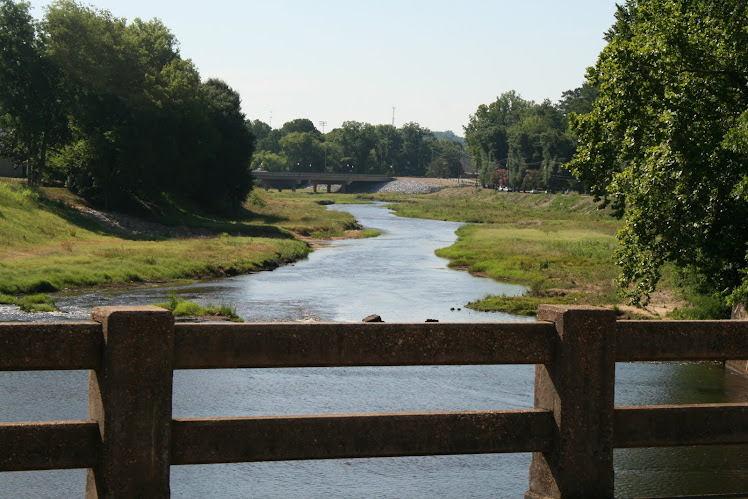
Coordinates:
397 276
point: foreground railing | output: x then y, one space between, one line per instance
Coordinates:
131 440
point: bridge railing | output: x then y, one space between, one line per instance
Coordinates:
131 439
361 177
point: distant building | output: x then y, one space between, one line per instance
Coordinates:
7 169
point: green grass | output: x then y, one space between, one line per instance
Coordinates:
47 246
524 305
487 206
555 262
110 261
30 303
183 308
303 213
560 246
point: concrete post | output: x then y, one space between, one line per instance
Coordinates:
739 366
578 386
130 397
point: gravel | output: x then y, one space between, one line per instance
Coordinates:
405 187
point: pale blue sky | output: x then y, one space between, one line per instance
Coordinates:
335 60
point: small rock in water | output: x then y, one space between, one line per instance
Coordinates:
431 320
372 318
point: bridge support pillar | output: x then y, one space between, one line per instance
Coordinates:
329 188
578 386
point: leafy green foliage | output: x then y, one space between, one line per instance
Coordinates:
519 138
357 147
122 118
666 140
32 103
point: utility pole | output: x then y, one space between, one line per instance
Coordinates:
393 115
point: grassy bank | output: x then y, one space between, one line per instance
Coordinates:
47 245
560 246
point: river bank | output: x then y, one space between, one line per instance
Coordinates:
51 241
560 246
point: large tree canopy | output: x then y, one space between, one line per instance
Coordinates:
667 140
121 116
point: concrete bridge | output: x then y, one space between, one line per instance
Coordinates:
291 180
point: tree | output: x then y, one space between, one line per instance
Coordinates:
32 108
417 151
301 125
224 180
539 141
487 133
269 161
259 129
134 101
357 141
666 139
388 148
578 100
304 151
447 161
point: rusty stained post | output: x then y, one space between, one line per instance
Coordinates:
578 386
131 397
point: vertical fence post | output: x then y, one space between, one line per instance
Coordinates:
130 397
578 386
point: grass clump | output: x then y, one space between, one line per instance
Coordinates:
526 305
30 303
183 308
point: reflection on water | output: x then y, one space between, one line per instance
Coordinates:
398 277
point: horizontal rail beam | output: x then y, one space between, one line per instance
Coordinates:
59 346
681 340
202 441
681 425
353 177
201 346
48 446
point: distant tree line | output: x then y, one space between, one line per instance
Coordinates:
113 111
356 147
519 144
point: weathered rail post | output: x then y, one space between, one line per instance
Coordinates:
130 397
578 386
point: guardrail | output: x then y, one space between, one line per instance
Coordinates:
131 440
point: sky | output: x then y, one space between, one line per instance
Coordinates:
332 61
